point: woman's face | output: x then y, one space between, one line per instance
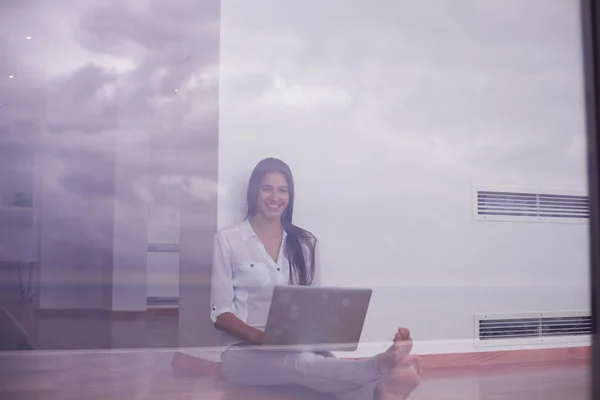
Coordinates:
273 195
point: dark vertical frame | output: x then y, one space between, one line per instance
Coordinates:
590 18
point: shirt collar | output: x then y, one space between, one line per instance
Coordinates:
247 232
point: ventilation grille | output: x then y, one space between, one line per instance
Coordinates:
163 247
514 205
154 301
533 329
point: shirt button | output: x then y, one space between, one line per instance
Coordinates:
278 269
251 265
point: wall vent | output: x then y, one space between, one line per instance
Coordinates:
518 205
163 247
156 301
532 328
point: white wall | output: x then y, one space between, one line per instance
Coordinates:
129 282
388 114
162 274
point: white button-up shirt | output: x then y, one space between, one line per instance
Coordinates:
244 276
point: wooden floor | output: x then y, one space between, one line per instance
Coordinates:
148 374
67 371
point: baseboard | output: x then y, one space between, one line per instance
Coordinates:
495 360
122 315
110 314
163 310
70 312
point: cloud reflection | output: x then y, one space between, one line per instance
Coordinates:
123 98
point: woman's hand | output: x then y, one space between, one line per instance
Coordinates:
231 324
257 337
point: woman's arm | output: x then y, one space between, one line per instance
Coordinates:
231 324
223 312
317 278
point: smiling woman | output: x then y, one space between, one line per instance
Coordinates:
270 197
264 250
267 250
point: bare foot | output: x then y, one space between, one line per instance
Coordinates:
396 353
398 384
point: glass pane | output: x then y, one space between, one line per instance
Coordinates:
436 151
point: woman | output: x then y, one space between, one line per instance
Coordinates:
265 250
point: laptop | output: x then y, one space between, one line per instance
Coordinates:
316 318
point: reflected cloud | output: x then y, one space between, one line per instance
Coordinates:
120 102
410 74
113 138
392 113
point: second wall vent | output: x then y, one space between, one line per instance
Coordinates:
532 328
535 206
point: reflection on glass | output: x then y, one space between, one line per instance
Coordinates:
438 149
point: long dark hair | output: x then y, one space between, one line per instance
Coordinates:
302 271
